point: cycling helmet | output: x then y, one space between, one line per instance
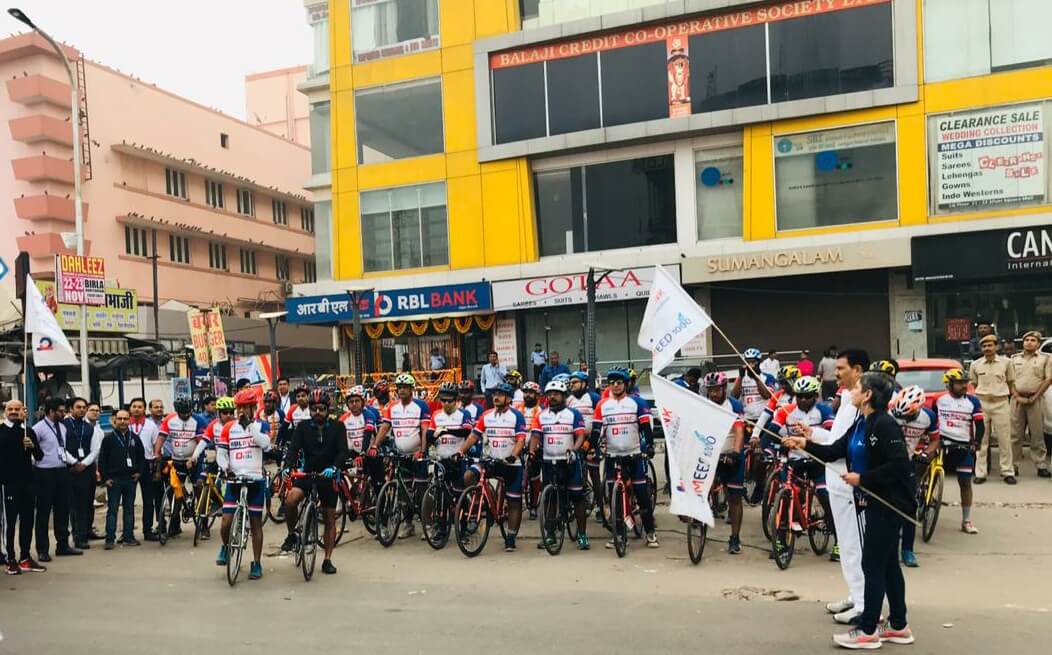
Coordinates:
226 403
531 386
448 389
807 385
380 386
908 401
884 366
752 353
562 377
271 396
466 385
789 373
715 379
182 405
246 396
953 375
356 390
579 375
555 385
504 388
632 375
514 374
300 389
405 380
617 373
318 397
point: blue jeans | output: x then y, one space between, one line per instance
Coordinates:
122 493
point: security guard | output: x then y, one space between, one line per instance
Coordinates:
994 382
1033 374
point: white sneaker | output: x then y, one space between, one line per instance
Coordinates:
407 531
902 637
652 541
609 544
838 606
858 640
847 616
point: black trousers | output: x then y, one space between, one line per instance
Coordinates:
18 513
152 492
537 372
83 504
880 566
53 492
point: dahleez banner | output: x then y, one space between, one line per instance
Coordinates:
695 429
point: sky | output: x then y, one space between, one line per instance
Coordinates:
200 49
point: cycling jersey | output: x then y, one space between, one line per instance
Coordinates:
558 430
180 436
751 399
787 419
528 413
448 444
585 405
208 438
360 427
377 405
474 410
957 417
239 449
297 415
922 427
732 405
620 419
274 420
501 431
408 422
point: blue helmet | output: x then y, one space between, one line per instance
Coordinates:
752 353
504 388
562 377
617 373
579 375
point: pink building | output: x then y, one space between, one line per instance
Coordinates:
273 102
222 197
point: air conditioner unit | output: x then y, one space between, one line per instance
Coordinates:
286 286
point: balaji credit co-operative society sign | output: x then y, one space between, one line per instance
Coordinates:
572 289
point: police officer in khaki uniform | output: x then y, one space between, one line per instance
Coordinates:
994 383
1033 373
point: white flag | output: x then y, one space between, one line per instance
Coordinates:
671 319
695 429
50 345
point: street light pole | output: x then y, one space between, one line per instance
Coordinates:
272 329
78 212
356 314
589 321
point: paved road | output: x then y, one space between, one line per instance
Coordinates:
972 594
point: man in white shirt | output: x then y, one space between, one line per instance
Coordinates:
493 374
151 489
438 360
771 365
538 358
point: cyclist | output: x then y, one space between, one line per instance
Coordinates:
731 470
468 401
584 401
752 388
300 411
358 421
805 417
530 407
274 417
407 418
920 428
621 424
176 442
381 396
889 367
322 444
514 378
239 453
504 431
633 378
961 427
449 430
225 410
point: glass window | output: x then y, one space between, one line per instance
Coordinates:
214 194
718 176
518 103
528 9
307 219
318 18
320 138
175 183
1019 34
245 205
248 261
179 249
281 267
135 241
635 86
573 94
835 177
956 39
728 69
310 271
827 54
323 238
623 204
388 28
279 212
217 256
404 227
399 121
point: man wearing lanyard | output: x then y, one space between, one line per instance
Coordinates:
151 489
83 447
16 479
284 398
99 491
51 484
121 462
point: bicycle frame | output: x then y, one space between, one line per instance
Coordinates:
934 466
499 508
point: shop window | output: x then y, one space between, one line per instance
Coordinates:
635 84
718 176
728 69
320 138
827 54
404 227
518 103
399 121
606 206
836 177
573 94
388 28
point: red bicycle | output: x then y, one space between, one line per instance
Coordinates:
624 514
697 532
478 507
795 508
357 499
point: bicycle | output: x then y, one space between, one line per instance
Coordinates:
929 495
698 532
209 503
277 489
624 513
239 531
306 529
478 508
772 484
394 502
356 500
436 507
557 515
177 503
795 502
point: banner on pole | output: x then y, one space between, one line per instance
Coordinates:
198 336
695 430
670 321
50 345
216 337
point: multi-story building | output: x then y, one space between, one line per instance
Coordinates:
273 102
218 201
849 172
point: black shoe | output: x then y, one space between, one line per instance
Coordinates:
43 557
1009 479
290 544
149 536
327 567
63 550
979 480
109 546
131 542
82 545
96 536
1016 468
1044 473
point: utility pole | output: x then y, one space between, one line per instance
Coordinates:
589 320
356 296
272 329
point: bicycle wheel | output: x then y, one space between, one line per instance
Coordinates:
236 547
215 506
367 504
652 487
186 506
750 479
388 514
696 536
276 499
472 519
434 515
771 486
618 514
550 518
932 507
309 542
818 526
341 517
783 539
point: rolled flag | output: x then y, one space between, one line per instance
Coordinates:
671 319
50 345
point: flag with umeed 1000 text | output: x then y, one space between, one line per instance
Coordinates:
671 319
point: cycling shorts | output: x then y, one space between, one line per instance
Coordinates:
257 497
959 459
511 475
732 476
572 472
635 469
326 493
455 470
812 470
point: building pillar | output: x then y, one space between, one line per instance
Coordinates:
344 351
907 302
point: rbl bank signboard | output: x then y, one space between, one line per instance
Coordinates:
393 305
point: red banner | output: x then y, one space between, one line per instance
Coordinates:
683 29
678 77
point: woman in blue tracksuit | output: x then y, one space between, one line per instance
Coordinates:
878 460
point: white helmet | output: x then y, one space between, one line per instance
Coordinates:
555 385
908 402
